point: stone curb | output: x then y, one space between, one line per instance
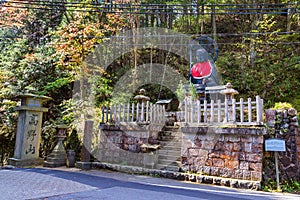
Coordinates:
233 183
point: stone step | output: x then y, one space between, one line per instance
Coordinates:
164 132
168 168
169 147
170 162
170 144
172 129
169 157
169 138
169 152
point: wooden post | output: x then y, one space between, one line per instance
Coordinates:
249 110
212 105
119 113
198 111
124 112
226 111
192 112
242 109
233 110
128 112
151 113
219 110
259 109
154 113
147 111
115 113
132 113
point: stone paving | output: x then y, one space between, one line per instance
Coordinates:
71 183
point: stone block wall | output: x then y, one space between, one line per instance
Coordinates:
283 124
224 152
122 145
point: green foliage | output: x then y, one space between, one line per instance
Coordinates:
282 106
193 91
180 91
290 186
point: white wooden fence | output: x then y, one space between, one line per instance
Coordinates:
135 112
242 112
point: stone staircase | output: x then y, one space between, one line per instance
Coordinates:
169 155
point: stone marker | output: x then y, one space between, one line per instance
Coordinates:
29 130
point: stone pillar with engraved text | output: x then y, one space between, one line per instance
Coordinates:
29 130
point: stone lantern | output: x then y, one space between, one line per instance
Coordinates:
28 135
141 98
58 156
229 93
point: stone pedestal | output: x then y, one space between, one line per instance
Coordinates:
28 131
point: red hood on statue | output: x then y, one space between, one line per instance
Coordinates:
201 70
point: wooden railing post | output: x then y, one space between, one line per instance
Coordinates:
147 111
259 109
242 109
219 110
198 111
192 112
249 110
212 105
233 116
115 113
205 111
226 111
128 112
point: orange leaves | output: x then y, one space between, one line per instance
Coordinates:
12 16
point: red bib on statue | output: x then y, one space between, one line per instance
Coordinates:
201 70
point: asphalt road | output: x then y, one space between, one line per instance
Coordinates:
62 183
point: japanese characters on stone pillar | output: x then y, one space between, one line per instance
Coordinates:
29 130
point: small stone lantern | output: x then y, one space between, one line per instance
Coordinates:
229 93
141 98
58 156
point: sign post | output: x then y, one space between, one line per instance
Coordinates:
275 145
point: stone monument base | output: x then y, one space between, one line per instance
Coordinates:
56 159
83 165
25 162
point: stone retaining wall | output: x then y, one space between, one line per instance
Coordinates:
122 144
223 151
234 183
283 124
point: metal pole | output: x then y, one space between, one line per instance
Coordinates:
277 171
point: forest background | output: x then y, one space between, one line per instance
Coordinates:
43 45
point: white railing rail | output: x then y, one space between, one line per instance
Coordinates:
134 112
239 112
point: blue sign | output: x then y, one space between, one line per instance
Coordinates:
275 145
